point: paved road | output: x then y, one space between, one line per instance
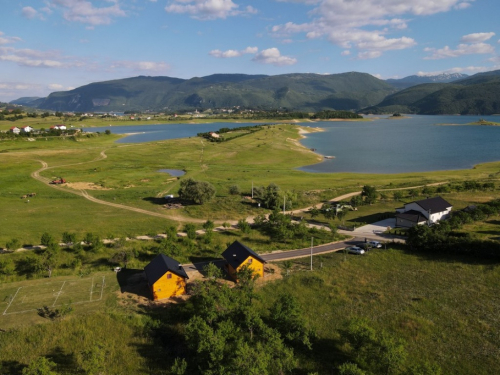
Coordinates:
289 254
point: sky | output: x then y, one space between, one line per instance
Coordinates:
57 45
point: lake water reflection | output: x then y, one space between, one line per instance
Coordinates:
413 144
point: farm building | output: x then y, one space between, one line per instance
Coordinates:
166 277
428 211
238 255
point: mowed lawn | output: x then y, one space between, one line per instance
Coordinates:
19 301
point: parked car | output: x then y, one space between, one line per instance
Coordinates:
365 246
376 244
355 250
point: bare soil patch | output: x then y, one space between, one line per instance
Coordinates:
85 186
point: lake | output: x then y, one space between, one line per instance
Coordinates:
413 144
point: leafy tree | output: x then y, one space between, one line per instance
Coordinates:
350 369
208 225
40 366
48 240
212 271
7 266
286 316
397 195
92 361
244 226
271 196
179 367
196 191
68 238
314 212
13 244
234 190
190 230
369 193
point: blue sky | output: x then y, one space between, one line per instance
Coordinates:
54 45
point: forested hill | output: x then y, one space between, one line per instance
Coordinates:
299 92
478 94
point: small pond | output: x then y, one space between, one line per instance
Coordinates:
173 172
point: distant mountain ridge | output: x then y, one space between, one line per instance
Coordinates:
477 94
441 94
414 80
299 91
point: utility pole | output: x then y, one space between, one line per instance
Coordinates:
312 239
284 200
252 189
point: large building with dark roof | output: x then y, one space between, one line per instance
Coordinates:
427 211
166 277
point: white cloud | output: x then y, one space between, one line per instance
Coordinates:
55 86
208 9
232 53
29 12
274 57
32 58
350 23
149 66
8 39
84 11
462 49
369 55
345 53
477 37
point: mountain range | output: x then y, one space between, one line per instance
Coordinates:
440 94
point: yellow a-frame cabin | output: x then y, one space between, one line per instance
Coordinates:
238 255
166 277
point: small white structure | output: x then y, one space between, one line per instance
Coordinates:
15 130
27 129
428 211
214 135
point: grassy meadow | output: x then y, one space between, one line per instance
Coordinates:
443 308
129 176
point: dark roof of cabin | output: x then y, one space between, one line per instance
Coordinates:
412 215
160 265
436 204
237 253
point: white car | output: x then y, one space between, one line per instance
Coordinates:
376 244
355 250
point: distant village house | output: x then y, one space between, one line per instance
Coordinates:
427 211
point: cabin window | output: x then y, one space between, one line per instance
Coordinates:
169 276
250 261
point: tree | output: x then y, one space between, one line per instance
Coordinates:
48 240
7 266
196 191
271 196
244 226
69 238
190 230
234 190
13 244
397 195
286 316
40 366
369 193
92 361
